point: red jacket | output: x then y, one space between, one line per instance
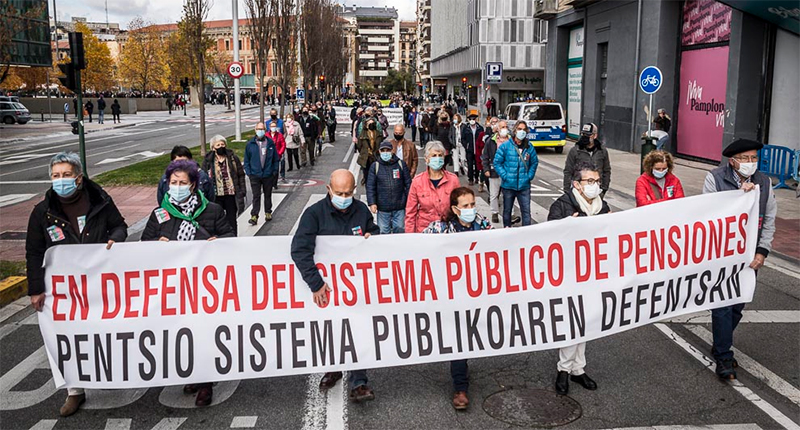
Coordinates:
645 194
280 142
425 203
479 144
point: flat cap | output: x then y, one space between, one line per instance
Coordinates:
741 145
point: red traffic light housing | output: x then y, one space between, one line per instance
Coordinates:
464 80
322 78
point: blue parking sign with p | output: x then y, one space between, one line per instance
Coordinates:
494 72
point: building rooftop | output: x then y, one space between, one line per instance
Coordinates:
368 12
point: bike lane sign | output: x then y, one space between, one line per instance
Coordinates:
650 79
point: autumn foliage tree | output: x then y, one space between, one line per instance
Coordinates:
142 62
99 73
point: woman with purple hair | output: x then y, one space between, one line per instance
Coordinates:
186 214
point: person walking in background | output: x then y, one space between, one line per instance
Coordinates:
455 134
75 105
429 196
276 135
589 149
583 198
261 163
411 119
338 214
461 216
310 126
388 182
405 149
75 210
330 119
657 183
470 135
442 134
516 163
101 109
180 152
228 178
89 106
664 120
294 140
169 104
367 146
498 136
115 111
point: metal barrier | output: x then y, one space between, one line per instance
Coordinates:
777 161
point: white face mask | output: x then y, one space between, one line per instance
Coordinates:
503 132
472 122
747 169
591 191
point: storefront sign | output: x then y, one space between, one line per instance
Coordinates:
574 81
785 14
701 108
705 21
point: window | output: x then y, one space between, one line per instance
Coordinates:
542 113
602 58
240 45
227 45
274 68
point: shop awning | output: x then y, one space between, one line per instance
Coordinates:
783 13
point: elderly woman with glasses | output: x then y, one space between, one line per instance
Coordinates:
227 176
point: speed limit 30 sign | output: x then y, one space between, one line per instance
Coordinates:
236 70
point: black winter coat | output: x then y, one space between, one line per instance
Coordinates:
566 205
236 170
443 135
211 223
322 219
388 188
103 223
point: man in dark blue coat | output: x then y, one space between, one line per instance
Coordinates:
388 182
261 163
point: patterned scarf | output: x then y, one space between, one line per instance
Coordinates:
187 211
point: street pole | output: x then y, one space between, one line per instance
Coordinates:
236 85
650 117
81 140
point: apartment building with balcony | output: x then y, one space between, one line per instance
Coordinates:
377 46
465 34
725 69
424 43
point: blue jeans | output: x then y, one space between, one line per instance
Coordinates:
523 198
661 143
459 370
357 378
392 222
723 323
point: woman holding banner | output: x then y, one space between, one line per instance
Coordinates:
657 183
185 214
461 216
583 199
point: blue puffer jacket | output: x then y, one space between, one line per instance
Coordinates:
388 188
515 165
252 159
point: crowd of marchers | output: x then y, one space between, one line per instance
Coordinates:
406 194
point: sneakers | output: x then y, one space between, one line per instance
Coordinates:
267 217
253 220
72 404
480 187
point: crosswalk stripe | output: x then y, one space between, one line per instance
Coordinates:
118 423
311 200
170 423
10 199
244 422
44 425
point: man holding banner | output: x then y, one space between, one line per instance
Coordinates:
741 173
335 215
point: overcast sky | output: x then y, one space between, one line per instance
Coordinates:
168 11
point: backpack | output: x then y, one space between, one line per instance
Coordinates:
378 165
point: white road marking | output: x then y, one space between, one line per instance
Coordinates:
12 308
144 154
774 381
10 199
783 266
24 158
350 149
112 399
118 423
311 200
749 316
169 423
354 168
546 195
244 422
14 400
242 223
754 398
44 425
24 182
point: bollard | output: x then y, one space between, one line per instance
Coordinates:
42 116
65 117
647 147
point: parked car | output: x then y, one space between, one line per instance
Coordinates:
14 99
545 119
13 112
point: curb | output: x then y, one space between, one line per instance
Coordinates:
12 288
67 133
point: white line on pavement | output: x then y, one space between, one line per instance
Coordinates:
350 149
242 223
169 423
749 316
10 199
44 425
244 422
774 381
118 423
24 182
12 308
748 394
311 200
783 266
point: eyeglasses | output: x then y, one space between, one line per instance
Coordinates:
745 159
591 181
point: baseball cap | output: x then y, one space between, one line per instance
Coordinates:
588 129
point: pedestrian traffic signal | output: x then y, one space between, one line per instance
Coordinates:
68 80
185 85
76 50
74 127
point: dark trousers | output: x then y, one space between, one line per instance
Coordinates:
358 378
413 134
472 168
423 137
523 197
332 132
257 185
115 117
228 203
311 146
90 116
723 323
283 165
459 370
293 153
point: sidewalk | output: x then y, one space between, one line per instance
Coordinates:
134 202
625 170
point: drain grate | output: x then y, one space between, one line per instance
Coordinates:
532 408
13 235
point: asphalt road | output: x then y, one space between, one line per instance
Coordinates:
650 377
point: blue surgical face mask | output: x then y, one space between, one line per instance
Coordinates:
180 192
659 173
521 134
261 133
386 156
436 163
64 187
467 215
340 202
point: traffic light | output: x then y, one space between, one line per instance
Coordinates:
464 84
68 80
76 50
464 80
322 79
185 85
74 127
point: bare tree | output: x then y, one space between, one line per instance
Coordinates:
311 40
285 25
334 61
218 66
258 11
194 13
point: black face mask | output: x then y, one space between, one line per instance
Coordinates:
583 141
274 116
372 126
399 136
220 150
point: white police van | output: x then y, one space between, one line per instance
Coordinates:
545 119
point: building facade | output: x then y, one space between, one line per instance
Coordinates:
424 44
408 46
377 46
468 34
729 70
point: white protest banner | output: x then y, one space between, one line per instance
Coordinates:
155 314
393 115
